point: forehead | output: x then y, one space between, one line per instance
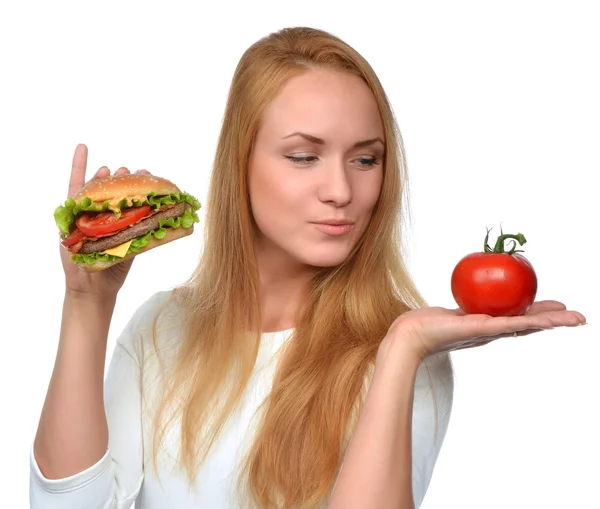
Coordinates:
333 105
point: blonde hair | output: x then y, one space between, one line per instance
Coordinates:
306 421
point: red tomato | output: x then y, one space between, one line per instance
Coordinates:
96 224
73 238
495 282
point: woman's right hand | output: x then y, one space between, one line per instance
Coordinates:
103 284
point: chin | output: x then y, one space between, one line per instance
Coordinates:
328 258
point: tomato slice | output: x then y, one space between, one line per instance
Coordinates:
95 224
73 238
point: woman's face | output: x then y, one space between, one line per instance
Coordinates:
316 169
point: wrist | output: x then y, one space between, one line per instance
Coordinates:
397 345
86 321
85 299
89 310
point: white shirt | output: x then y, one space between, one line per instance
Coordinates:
125 476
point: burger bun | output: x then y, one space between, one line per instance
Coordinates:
117 187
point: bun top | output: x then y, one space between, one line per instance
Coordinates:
117 187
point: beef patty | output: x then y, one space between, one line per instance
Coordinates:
132 232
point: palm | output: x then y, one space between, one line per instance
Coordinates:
106 282
103 283
437 329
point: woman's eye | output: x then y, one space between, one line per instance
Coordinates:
363 162
367 162
302 159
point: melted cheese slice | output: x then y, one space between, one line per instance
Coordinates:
119 251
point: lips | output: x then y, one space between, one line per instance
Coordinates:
333 221
334 226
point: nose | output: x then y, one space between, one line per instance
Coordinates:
334 186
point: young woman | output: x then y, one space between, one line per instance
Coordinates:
298 367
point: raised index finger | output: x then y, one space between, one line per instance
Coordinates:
78 168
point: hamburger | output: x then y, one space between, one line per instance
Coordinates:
112 219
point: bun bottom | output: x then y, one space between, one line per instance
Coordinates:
171 235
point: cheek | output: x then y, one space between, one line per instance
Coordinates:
368 190
275 198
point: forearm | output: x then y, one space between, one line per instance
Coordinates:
73 433
377 469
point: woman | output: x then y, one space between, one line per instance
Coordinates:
298 367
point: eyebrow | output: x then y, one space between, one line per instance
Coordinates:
319 141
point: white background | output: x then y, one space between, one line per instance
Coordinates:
498 103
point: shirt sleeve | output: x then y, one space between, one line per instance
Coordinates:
434 389
116 479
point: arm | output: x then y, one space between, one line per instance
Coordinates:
377 468
72 433
109 474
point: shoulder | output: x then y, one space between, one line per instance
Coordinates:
435 370
156 306
434 387
153 321
432 408
432 404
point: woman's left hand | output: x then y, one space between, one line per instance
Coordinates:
434 330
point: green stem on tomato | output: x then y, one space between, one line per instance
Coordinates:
499 246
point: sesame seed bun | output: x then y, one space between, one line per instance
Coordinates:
123 186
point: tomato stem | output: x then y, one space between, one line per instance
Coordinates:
502 238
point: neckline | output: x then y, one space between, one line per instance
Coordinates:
283 331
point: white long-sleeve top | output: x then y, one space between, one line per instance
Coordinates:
124 475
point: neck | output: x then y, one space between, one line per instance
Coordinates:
283 288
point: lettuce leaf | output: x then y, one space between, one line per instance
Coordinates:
185 220
65 215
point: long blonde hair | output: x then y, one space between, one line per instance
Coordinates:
317 392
